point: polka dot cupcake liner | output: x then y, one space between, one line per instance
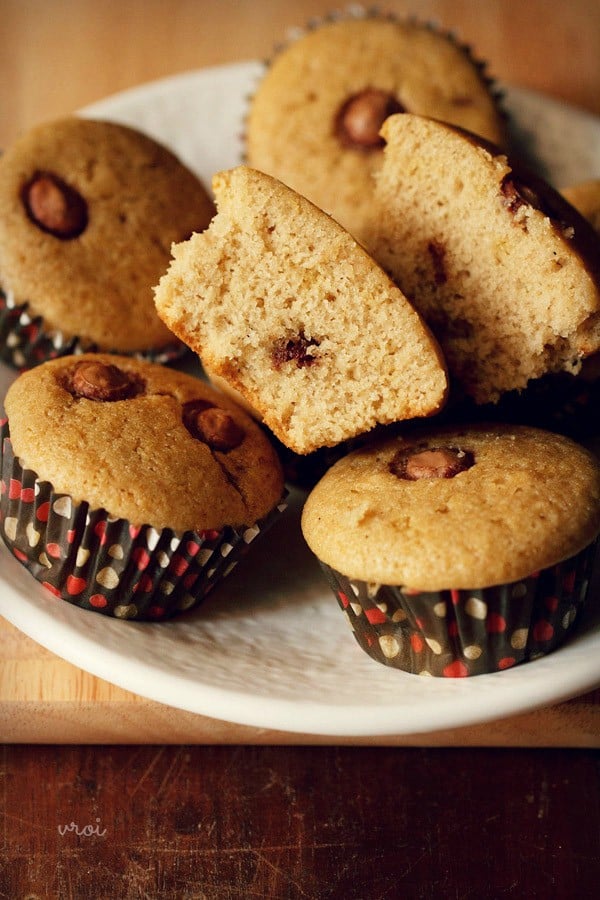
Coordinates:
25 342
458 633
99 563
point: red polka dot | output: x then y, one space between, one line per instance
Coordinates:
506 662
43 512
134 530
144 584
453 628
569 581
98 600
456 669
156 611
51 588
209 535
75 585
495 623
19 554
28 495
71 536
100 531
190 580
417 643
53 550
179 565
141 558
551 603
192 548
375 616
455 596
542 631
343 599
14 489
2 487
420 624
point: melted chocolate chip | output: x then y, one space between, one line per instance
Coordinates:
294 350
103 382
54 206
430 462
360 117
212 425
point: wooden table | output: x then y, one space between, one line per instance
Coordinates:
105 794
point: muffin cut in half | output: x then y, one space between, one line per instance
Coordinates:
284 306
505 272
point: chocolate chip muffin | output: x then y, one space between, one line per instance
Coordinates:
456 551
505 272
88 212
283 304
314 119
131 489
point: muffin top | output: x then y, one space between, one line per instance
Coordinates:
146 443
314 119
88 213
455 508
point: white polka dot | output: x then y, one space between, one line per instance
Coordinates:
186 601
425 674
226 549
440 609
434 645
10 527
476 608
115 551
108 578
43 559
518 590
389 646
355 589
82 556
33 536
63 507
204 556
152 538
473 651
356 609
518 640
126 612
399 616
167 587
163 559
569 617
251 533
382 606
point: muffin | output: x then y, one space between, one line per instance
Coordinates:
503 269
88 212
282 304
314 119
456 551
129 488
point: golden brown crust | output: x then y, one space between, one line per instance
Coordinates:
531 499
96 283
292 126
135 457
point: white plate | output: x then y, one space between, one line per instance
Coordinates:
270 648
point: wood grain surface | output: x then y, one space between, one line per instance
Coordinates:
480 814
61 54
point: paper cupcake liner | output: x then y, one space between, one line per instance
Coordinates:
457 633
25 342
105 564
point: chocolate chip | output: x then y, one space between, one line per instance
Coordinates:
360 117
517 194
212 425
431 462
294 349
54 206
103 382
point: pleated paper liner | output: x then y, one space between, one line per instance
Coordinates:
100 563
26 342
458 633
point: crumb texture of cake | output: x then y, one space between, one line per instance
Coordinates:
283 304
313 121
505 272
